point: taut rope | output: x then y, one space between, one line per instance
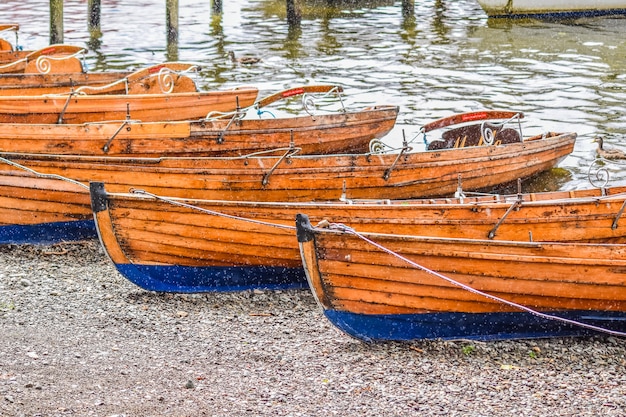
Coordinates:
350 230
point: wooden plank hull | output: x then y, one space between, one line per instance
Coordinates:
374 295
329 133
9 56
76 109
196 245
37 84
166 77
53 59
311 177
43 210
298 178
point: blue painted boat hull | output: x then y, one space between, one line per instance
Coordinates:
186 279
473 326
48 233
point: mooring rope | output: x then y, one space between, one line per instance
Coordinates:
350 230
39 174
211 212
347 229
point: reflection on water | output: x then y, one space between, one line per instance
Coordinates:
445 57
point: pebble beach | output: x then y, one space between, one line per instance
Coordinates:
77 339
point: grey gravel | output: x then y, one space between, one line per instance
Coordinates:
77 339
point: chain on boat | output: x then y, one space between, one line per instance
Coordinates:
344 228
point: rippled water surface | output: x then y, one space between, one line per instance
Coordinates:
447 57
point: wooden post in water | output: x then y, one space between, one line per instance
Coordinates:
93 15
56 21
408 8
294 13
171 17
216 6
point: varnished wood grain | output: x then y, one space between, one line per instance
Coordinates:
330 133
545 276
80 108
311 177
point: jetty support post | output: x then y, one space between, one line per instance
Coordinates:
171 17
56 21
216 6
408 8
294 13
93 15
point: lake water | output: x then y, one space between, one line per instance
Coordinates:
446 58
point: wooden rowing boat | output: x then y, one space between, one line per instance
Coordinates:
53 59
31 201
402 287
186 245
152 79
76 107
343 131
292 177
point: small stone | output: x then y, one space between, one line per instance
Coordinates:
25 283
189 384
182 314
32 355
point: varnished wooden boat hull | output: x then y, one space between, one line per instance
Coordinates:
53 59
37 84
43 210
40 210
202 245
76 109
329 133
298 178
373 295
8 56
166 77
311 177
183 257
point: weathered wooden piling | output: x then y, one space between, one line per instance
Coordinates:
56 21
294 13
171 29
171 20
408 8
93 15
216 6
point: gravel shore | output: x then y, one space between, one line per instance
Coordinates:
77 339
